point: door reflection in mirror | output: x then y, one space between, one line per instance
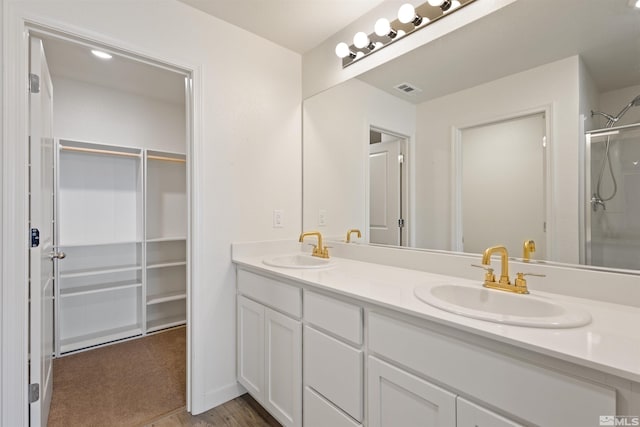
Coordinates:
388 192
503 185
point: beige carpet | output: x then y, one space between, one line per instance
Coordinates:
125 384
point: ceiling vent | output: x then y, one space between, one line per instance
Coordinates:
407 88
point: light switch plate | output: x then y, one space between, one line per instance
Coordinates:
278 218
322 217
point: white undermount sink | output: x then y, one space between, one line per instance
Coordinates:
297 261
502 307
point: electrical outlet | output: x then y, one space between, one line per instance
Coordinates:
278 218
322 217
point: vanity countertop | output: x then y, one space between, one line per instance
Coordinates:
610 343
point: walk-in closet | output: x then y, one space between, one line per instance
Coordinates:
120 227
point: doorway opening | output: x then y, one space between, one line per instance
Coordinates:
388 188
110 167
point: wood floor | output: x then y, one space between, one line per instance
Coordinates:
242 411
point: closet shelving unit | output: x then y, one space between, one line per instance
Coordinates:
165 239
121 221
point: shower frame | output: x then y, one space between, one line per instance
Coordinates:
586 190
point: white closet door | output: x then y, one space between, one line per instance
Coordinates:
41 218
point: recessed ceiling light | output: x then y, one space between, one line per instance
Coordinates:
100 54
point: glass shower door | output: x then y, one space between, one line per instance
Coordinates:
612 197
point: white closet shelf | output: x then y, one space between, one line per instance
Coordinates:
166 239
102 287
166 297
96 271
167 264
91 244
167 322
100 337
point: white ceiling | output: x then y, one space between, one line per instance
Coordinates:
299 25
525 34
75 61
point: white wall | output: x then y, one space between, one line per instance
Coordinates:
247 157
336 151
89 112
553 85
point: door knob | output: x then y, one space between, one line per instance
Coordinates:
59 255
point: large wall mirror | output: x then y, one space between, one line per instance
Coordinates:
493 123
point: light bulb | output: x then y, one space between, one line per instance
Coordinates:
401 33
435 3
383 28
100 54
361 40
638 4
359 55
342 50
406 13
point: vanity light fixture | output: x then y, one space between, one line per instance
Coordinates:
342 51
409 19
362 41
442 4
407 13
100 54
383 28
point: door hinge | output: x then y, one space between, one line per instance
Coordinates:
34 83
35 237
401 222
34 392
400 158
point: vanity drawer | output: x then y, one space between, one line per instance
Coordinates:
335 370
280 296
471 415
320 413
533 393
332 315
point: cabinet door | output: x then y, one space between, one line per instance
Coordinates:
251 347
472 415
397 398
283 396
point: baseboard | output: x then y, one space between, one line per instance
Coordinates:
213 398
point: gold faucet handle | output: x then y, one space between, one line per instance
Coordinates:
521 282
489 276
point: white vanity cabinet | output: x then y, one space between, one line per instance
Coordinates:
317 359
397 398
471 415
270 345
333 361
535 394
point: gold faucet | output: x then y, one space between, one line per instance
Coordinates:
350 232
318 250
528 247
504 284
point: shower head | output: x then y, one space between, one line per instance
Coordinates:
634 103
612 120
